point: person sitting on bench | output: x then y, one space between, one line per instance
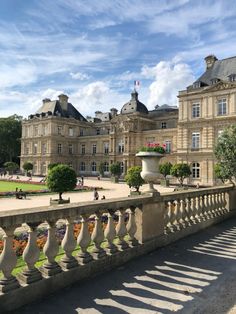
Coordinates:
22 194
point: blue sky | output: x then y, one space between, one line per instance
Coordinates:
94 50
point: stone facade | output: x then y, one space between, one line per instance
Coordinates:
59 133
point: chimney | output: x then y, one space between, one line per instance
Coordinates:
97 114
210 60
113 112
134 95
63 99
46 100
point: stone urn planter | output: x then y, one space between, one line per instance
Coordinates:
150 168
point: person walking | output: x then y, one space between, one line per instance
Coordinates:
95 194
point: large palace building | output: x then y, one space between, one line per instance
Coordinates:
59 133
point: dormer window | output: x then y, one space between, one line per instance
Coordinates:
232 77
214 80
197 84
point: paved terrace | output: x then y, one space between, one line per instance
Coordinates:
194 275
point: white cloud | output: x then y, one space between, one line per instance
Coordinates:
169 78
79 76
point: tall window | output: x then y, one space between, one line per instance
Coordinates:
106 166
44 148
94 166
196 170
106 148
94 149
196 140
59 148
83 149
168 146
35 148
27 149
71 132
36 131
195 110
44 129
122 167
82 166
70 149
121 146
163 125
98 131
81 132
222 107
44 168
59 130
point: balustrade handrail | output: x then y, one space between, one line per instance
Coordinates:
194 192
52 213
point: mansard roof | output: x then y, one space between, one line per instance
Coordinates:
221 69
54 108
134 105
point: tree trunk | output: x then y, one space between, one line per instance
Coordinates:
60 195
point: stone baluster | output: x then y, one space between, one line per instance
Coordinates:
121 230
176 215
210 206
213 205
50 249
201 208
197 208
68 244
166 218
170 217
193 210
225 210
110 233
132 227
30 256
217 204
182 214
83 241
97 237
188 212
8 261
205 206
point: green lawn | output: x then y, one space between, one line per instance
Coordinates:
6 186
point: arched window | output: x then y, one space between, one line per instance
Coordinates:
196 170
82 166
94 166
106 167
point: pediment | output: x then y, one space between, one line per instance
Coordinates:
221 86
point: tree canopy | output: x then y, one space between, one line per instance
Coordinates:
225 152
180 171
10 134
11 166
61 178
165 169
115 169
27 166
133 177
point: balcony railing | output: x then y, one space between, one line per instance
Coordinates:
111 233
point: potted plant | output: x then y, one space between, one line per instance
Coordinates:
101 169
27 166
165 171
11 167
150 155
134 179
60 179
115 170
180 171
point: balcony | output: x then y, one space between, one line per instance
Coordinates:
123 229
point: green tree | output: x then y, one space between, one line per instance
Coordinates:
220 174
10 134
28 166
225 152
101 169
115 169
180 171
11 166
50 166
133 177
165 169
61 178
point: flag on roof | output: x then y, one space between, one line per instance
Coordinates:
136 83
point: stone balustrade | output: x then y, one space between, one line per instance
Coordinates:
142 224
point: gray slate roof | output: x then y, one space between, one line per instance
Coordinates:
134 105
55 108
221 70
